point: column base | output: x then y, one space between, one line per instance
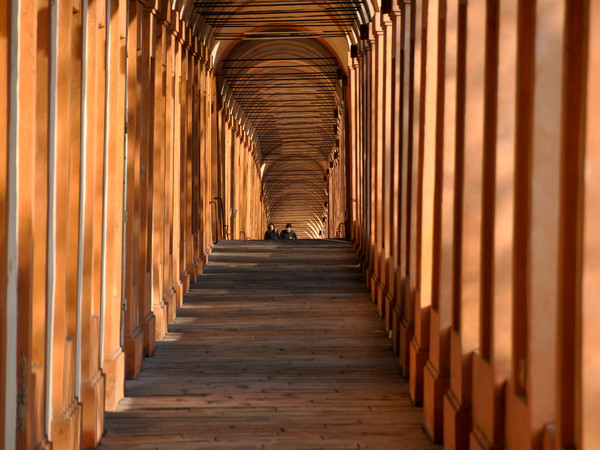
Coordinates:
185 280
549 436
488 414
148 326
478 440
518 430
66 428
389 306
373 285
398 312
179 293
396 325
435 387
382 292
114 369
160 319
92 398
35 426
44 444
170 300
134 352
407 331
418 359
199 266
193 273
457 423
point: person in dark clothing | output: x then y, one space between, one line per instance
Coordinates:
288 233
271 232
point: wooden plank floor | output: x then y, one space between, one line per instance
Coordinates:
277 346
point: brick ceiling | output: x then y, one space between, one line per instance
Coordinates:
280 66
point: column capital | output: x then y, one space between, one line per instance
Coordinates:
375 26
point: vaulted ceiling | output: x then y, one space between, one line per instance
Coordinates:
280 66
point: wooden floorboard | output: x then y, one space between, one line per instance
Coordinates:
276 346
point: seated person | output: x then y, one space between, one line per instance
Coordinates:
288 233
271 232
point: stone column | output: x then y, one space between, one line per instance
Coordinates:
92 390
412 17
185 238
159 306
375 138
428 202
436 374
536 211
491 363
465 319
169 294
196 150
134 337
402 132
590 410
570 363
395 143
66 410
147 318
114 357
29 141
352 148
384 293
178 139
368 165
7 341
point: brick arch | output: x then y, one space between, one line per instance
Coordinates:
289 92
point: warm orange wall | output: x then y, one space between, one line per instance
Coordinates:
4 96
72 201
590 359
497 202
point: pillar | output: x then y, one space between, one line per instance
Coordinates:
395 140
177 228
169 293
570 363
133 342
464 339
427 201
437 369
414 19
375 155
185 176
113 356
590 410
30 139
403 316
144 267
159 307
491 364
66 410
386 290
7 312
530 393
92 390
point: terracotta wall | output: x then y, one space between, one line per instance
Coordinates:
337 210
243 211
477 245
6 366
110 155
